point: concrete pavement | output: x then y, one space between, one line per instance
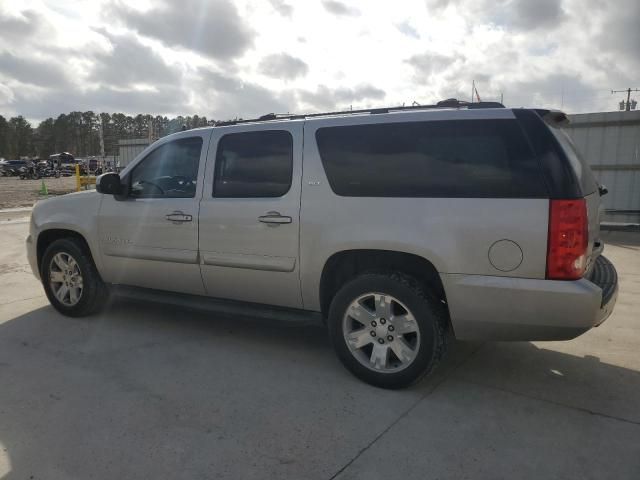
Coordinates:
149 391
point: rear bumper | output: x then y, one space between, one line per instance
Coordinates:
605 276
503 308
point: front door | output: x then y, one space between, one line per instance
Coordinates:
150 239
250 214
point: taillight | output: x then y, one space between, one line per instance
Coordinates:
568 239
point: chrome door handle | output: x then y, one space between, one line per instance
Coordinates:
178 217
274 218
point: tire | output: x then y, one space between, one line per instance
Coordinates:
409 307
91 293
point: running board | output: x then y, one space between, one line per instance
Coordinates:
227 307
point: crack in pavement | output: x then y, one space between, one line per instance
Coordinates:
451 376
552 402
407 411
20 300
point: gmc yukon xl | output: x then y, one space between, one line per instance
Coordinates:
401 227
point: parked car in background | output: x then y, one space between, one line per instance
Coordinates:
45 169
30 171
69 168
399 227
59 158
11 168
91 165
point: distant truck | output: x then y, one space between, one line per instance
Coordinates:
66 163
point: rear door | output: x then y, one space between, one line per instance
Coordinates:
250 214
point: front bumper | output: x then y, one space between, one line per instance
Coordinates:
503 308
32 255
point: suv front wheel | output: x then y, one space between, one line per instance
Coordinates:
387 329
71 280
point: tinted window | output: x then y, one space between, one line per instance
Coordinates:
469 158
580 167
254 164
169 171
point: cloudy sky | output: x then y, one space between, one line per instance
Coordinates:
228 58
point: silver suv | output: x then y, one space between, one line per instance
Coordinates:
400 227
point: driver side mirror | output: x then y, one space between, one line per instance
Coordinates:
110 184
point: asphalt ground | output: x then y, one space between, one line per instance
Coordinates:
149 391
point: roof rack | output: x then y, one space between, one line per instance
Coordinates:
448 103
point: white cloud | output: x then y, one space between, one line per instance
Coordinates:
283 66
224 58
339 8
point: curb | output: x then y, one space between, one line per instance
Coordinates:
620 227
15 215
16 210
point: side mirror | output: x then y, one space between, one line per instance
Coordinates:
602 190
109 184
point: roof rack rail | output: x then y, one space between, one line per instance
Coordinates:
448 103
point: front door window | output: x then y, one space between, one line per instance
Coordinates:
169 171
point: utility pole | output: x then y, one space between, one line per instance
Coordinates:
474 91
101 135
628 105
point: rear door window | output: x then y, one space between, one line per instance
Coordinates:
467 158
254 164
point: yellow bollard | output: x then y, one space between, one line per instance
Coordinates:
83 181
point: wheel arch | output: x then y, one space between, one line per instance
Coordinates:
347 264
47 237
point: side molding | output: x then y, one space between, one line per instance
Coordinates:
252 262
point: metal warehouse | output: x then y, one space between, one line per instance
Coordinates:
610 142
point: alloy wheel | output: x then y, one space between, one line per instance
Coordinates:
65 279
381 332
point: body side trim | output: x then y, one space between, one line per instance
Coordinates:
252 262
172 255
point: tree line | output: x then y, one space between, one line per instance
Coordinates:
79 133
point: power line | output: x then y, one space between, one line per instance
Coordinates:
630 104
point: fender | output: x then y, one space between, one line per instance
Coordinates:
77 212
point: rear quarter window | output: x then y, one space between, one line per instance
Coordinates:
579 165
462 158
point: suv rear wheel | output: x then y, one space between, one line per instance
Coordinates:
70 279
387 329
